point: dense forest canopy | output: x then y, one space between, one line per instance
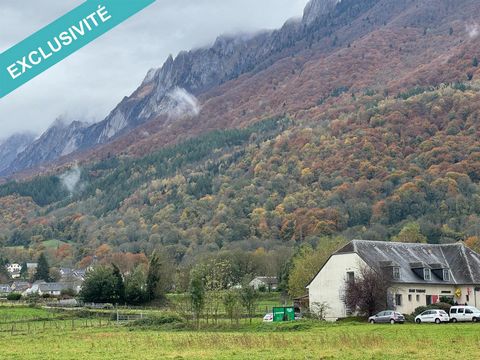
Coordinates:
377 167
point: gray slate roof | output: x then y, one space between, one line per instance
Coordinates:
52 287
463 263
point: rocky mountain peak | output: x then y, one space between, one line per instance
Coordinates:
316 8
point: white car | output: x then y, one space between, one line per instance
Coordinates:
268 317
464 313
432 316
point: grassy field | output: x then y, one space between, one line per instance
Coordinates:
299 340
22 313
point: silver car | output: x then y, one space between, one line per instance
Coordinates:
432 316
387 316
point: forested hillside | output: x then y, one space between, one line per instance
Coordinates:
362 123
402 167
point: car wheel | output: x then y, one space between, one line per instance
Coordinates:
372 321
418 321
392 321
475 319
454 320
437 321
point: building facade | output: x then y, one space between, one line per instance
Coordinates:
420 274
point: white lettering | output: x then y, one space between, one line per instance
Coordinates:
85 21
66 39
92 18
80 31
45 56
59 46
23 64
56 44
30 58
13 71
72 33
102 11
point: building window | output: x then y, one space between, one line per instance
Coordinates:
446 275
467 297
398 299
396 273
410 297
427 275
418 298
350 276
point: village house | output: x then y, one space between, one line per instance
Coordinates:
14 268
266 282
20 286
420 274
5 289
41 288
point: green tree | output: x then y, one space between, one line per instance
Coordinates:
153 277
197 295
4 275
135 287
248 299
119 285
231 303
410 233
43 269
24 271
100 286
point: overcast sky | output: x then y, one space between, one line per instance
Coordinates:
88 84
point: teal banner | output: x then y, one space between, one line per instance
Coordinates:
61 38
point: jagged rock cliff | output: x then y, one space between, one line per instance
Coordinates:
189 74
12 146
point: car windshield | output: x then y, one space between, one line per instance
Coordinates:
443 312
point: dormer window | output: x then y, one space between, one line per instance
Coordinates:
396 273
427 274
446 275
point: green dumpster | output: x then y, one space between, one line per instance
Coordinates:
285 313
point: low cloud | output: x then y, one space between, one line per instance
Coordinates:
183 103
472 30
142 42
71 178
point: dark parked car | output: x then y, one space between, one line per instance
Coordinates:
387 316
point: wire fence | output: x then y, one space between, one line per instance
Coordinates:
33 327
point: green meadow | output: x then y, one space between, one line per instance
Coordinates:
303 339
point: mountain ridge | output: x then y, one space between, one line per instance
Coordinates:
195 72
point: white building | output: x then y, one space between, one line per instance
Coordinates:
14 268
41 288
267 282
420 274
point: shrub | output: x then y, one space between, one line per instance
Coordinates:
446 300
159 321
14 296
439 305
68 293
